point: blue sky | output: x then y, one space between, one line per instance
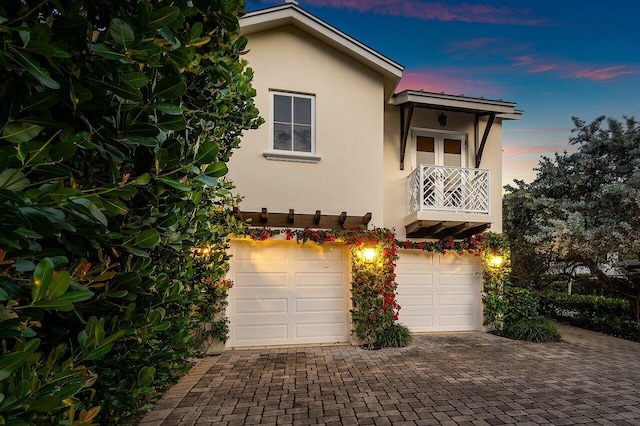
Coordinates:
556 59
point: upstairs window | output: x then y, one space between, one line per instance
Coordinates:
293 123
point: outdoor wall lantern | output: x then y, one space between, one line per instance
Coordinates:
495 261
442 119
369 254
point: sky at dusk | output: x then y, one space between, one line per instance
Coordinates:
555 59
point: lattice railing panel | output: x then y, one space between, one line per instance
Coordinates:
449 188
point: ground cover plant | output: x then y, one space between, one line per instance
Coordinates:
116 122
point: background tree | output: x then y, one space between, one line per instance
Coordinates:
584 208
116 121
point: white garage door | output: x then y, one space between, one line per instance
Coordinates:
287 293
439 293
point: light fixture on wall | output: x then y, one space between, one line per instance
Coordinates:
368 254
496 261
442 119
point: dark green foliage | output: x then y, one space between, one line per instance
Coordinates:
583 209
533 329
604 314
515 314
394 336
521 303
116 121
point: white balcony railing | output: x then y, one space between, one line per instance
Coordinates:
455 189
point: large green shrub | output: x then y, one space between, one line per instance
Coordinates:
608 315
116 121
531 329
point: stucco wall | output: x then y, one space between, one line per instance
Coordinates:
349 128
396 199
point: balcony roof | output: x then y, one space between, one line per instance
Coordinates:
443 102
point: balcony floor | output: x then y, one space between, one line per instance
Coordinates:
446 226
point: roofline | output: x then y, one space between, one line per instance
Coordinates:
503 109
290 13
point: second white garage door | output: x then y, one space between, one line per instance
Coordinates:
439 292
287 293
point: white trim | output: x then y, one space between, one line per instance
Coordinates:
292 156
446 102
291 153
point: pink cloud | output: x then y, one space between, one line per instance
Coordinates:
437 11
543 68
571 69
519 61
607 73
450 81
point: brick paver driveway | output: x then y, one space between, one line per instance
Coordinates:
446 379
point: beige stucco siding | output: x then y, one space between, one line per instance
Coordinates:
348 128
396 199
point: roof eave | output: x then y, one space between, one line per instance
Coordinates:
445 102
291 14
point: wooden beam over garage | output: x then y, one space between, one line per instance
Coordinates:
291 219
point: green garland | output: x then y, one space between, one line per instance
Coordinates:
373 286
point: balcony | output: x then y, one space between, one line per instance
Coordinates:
447 201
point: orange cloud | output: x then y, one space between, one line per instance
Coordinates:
437 11
570 69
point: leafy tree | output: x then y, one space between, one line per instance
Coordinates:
584 208
117 118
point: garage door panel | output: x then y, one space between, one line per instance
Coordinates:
247 253
314 253
415 279
411 301
459 322
261 334
323 280
261 306
327 331
260 280
320 305
303 299
467 301
441 294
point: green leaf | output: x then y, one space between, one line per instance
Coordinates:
13 180
33 68
93 209
208 180
175 184
121 32
63 151
106 52
59 284
172 122
164 16
45 404
218 169
54 305
143 179
171 87
207 152
148 238
40 48
76 296
145 375
124 90
41 101
42 277
135 79
11 362
196 30
168 35
17 132
169 109
162 158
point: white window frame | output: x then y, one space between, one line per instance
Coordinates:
287 155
